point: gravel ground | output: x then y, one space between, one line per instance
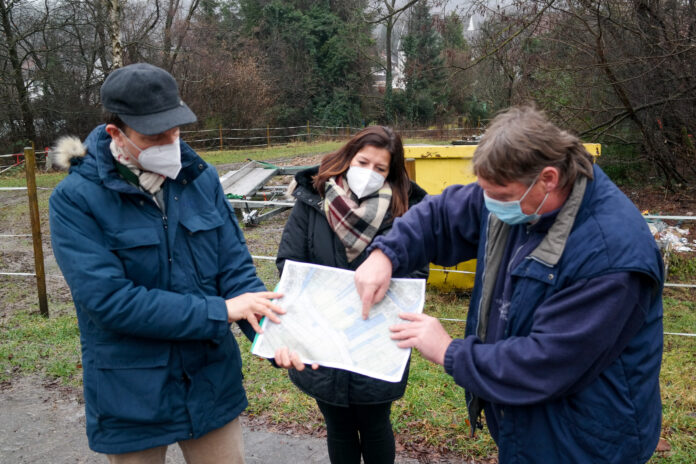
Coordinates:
45 424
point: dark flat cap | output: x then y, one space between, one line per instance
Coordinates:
146 98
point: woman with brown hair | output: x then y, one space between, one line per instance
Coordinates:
341 206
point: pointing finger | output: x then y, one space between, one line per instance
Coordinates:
367 301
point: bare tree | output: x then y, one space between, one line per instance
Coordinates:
14 33
170 51
113 7
612 69
388 13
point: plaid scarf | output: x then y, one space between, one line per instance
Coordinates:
355 221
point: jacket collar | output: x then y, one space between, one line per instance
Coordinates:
550 250
305 191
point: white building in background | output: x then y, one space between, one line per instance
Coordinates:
398 76
398 56
472 20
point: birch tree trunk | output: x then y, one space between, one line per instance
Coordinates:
114 9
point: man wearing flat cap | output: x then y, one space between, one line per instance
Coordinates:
158 269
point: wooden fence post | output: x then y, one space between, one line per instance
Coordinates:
30 162
220 137
309 135
268 135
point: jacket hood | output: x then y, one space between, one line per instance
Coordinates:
65 150
94 161
305 178
92 158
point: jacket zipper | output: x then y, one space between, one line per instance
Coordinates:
165 225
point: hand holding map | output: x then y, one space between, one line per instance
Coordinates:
324 325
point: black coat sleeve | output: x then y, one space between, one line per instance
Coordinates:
294 241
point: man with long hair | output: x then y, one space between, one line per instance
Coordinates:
564 333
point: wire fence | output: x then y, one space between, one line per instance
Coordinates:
35 222
15 160
223 138
231 139
333 132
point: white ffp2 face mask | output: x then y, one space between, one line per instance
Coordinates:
161 159
363 181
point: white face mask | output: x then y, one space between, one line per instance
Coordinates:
161 159
363 181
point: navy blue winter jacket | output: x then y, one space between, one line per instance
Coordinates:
555 390
160 363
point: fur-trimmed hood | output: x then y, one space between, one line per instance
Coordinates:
92 159
65 149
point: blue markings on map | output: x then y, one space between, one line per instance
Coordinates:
308 277
363 343
349 310
392 296
345 292
360 326
400 304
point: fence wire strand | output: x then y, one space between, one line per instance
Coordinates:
323 131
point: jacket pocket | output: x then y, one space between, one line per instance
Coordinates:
138 250
533 284
601 433
201 239
133 382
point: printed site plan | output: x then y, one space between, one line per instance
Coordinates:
324 325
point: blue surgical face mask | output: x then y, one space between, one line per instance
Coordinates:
510 212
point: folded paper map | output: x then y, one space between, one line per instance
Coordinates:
324 323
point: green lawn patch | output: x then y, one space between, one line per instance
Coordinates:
276 152
34 344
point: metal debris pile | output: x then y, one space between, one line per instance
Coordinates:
672 238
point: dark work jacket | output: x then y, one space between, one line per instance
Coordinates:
309 238
160 364
575 376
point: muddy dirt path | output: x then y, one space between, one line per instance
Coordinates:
43 423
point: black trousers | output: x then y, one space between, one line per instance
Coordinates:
359 430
